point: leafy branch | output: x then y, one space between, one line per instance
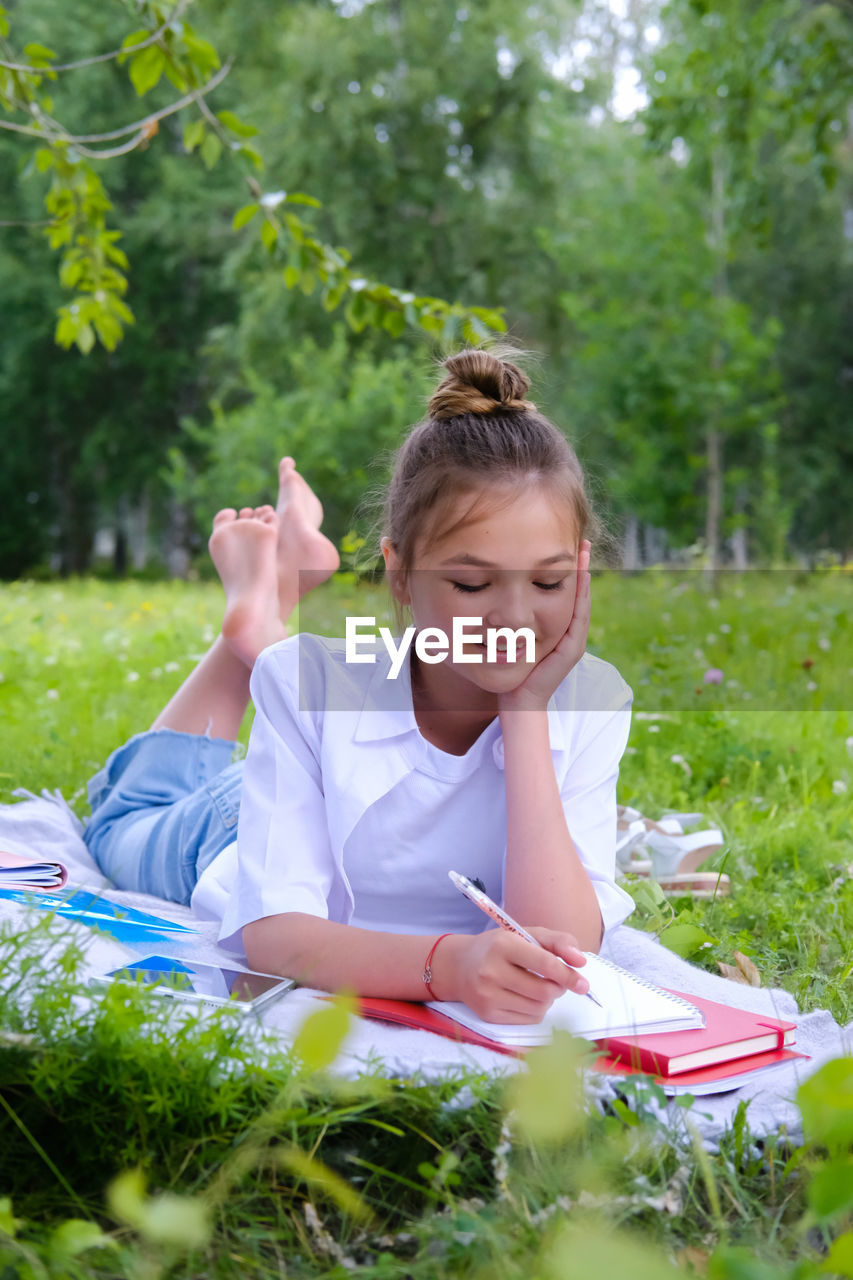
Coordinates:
95 267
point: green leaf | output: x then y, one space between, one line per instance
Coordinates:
108 330
831 1188
38 56
146 68
253 154
839 1260
323 1179
193 134
826 1101
44 159
269 235
176 1220
547 1100
174 76
85 338
394 323
299 197
321 1035
292 276
332 296
685 939
431 323
66 329
235 124
244 215
357 312
201 52
70 273
128 43
211 150
75 1235
8 1222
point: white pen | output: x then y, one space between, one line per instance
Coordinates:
496 913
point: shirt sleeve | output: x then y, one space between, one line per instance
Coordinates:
284 857
588 792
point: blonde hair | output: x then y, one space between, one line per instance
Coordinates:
480 430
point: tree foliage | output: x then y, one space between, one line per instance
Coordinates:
685 271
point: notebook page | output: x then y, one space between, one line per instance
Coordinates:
630 1005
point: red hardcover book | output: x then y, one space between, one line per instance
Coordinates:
728 1035
720 1078
423 1018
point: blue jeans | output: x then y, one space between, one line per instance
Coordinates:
163 806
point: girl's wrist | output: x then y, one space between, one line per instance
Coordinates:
444 968
522 717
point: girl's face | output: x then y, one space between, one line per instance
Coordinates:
511 560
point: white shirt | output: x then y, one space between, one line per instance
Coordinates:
349 814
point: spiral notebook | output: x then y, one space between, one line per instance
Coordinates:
632 1006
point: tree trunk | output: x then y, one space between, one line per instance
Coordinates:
631 545
713 438
177 538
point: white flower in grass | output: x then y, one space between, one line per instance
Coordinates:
839 787
848 743
156 672
132 677
51 660
654 728
171 666
52 695
725 628
812 686
824 643
710 638
682 763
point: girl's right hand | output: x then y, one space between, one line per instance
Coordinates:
505 979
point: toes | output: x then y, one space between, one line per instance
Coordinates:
246 513
225 516
266 515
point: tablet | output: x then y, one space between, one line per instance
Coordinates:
200 983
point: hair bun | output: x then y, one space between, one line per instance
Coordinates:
478 382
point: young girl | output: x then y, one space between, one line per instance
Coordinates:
360 791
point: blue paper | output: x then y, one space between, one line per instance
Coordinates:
125 924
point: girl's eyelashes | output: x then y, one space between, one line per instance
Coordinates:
471 588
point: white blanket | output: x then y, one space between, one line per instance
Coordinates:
45 826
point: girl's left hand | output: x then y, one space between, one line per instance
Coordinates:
550 671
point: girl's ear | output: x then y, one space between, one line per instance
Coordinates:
396 575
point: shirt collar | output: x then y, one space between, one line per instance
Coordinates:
387 710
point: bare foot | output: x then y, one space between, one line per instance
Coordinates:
243 548
305 556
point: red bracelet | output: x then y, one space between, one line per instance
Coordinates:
427 973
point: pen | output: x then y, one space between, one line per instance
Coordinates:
485 903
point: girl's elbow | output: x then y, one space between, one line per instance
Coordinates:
264 942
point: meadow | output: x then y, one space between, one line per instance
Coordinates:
743 711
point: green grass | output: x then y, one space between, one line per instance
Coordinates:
767 755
